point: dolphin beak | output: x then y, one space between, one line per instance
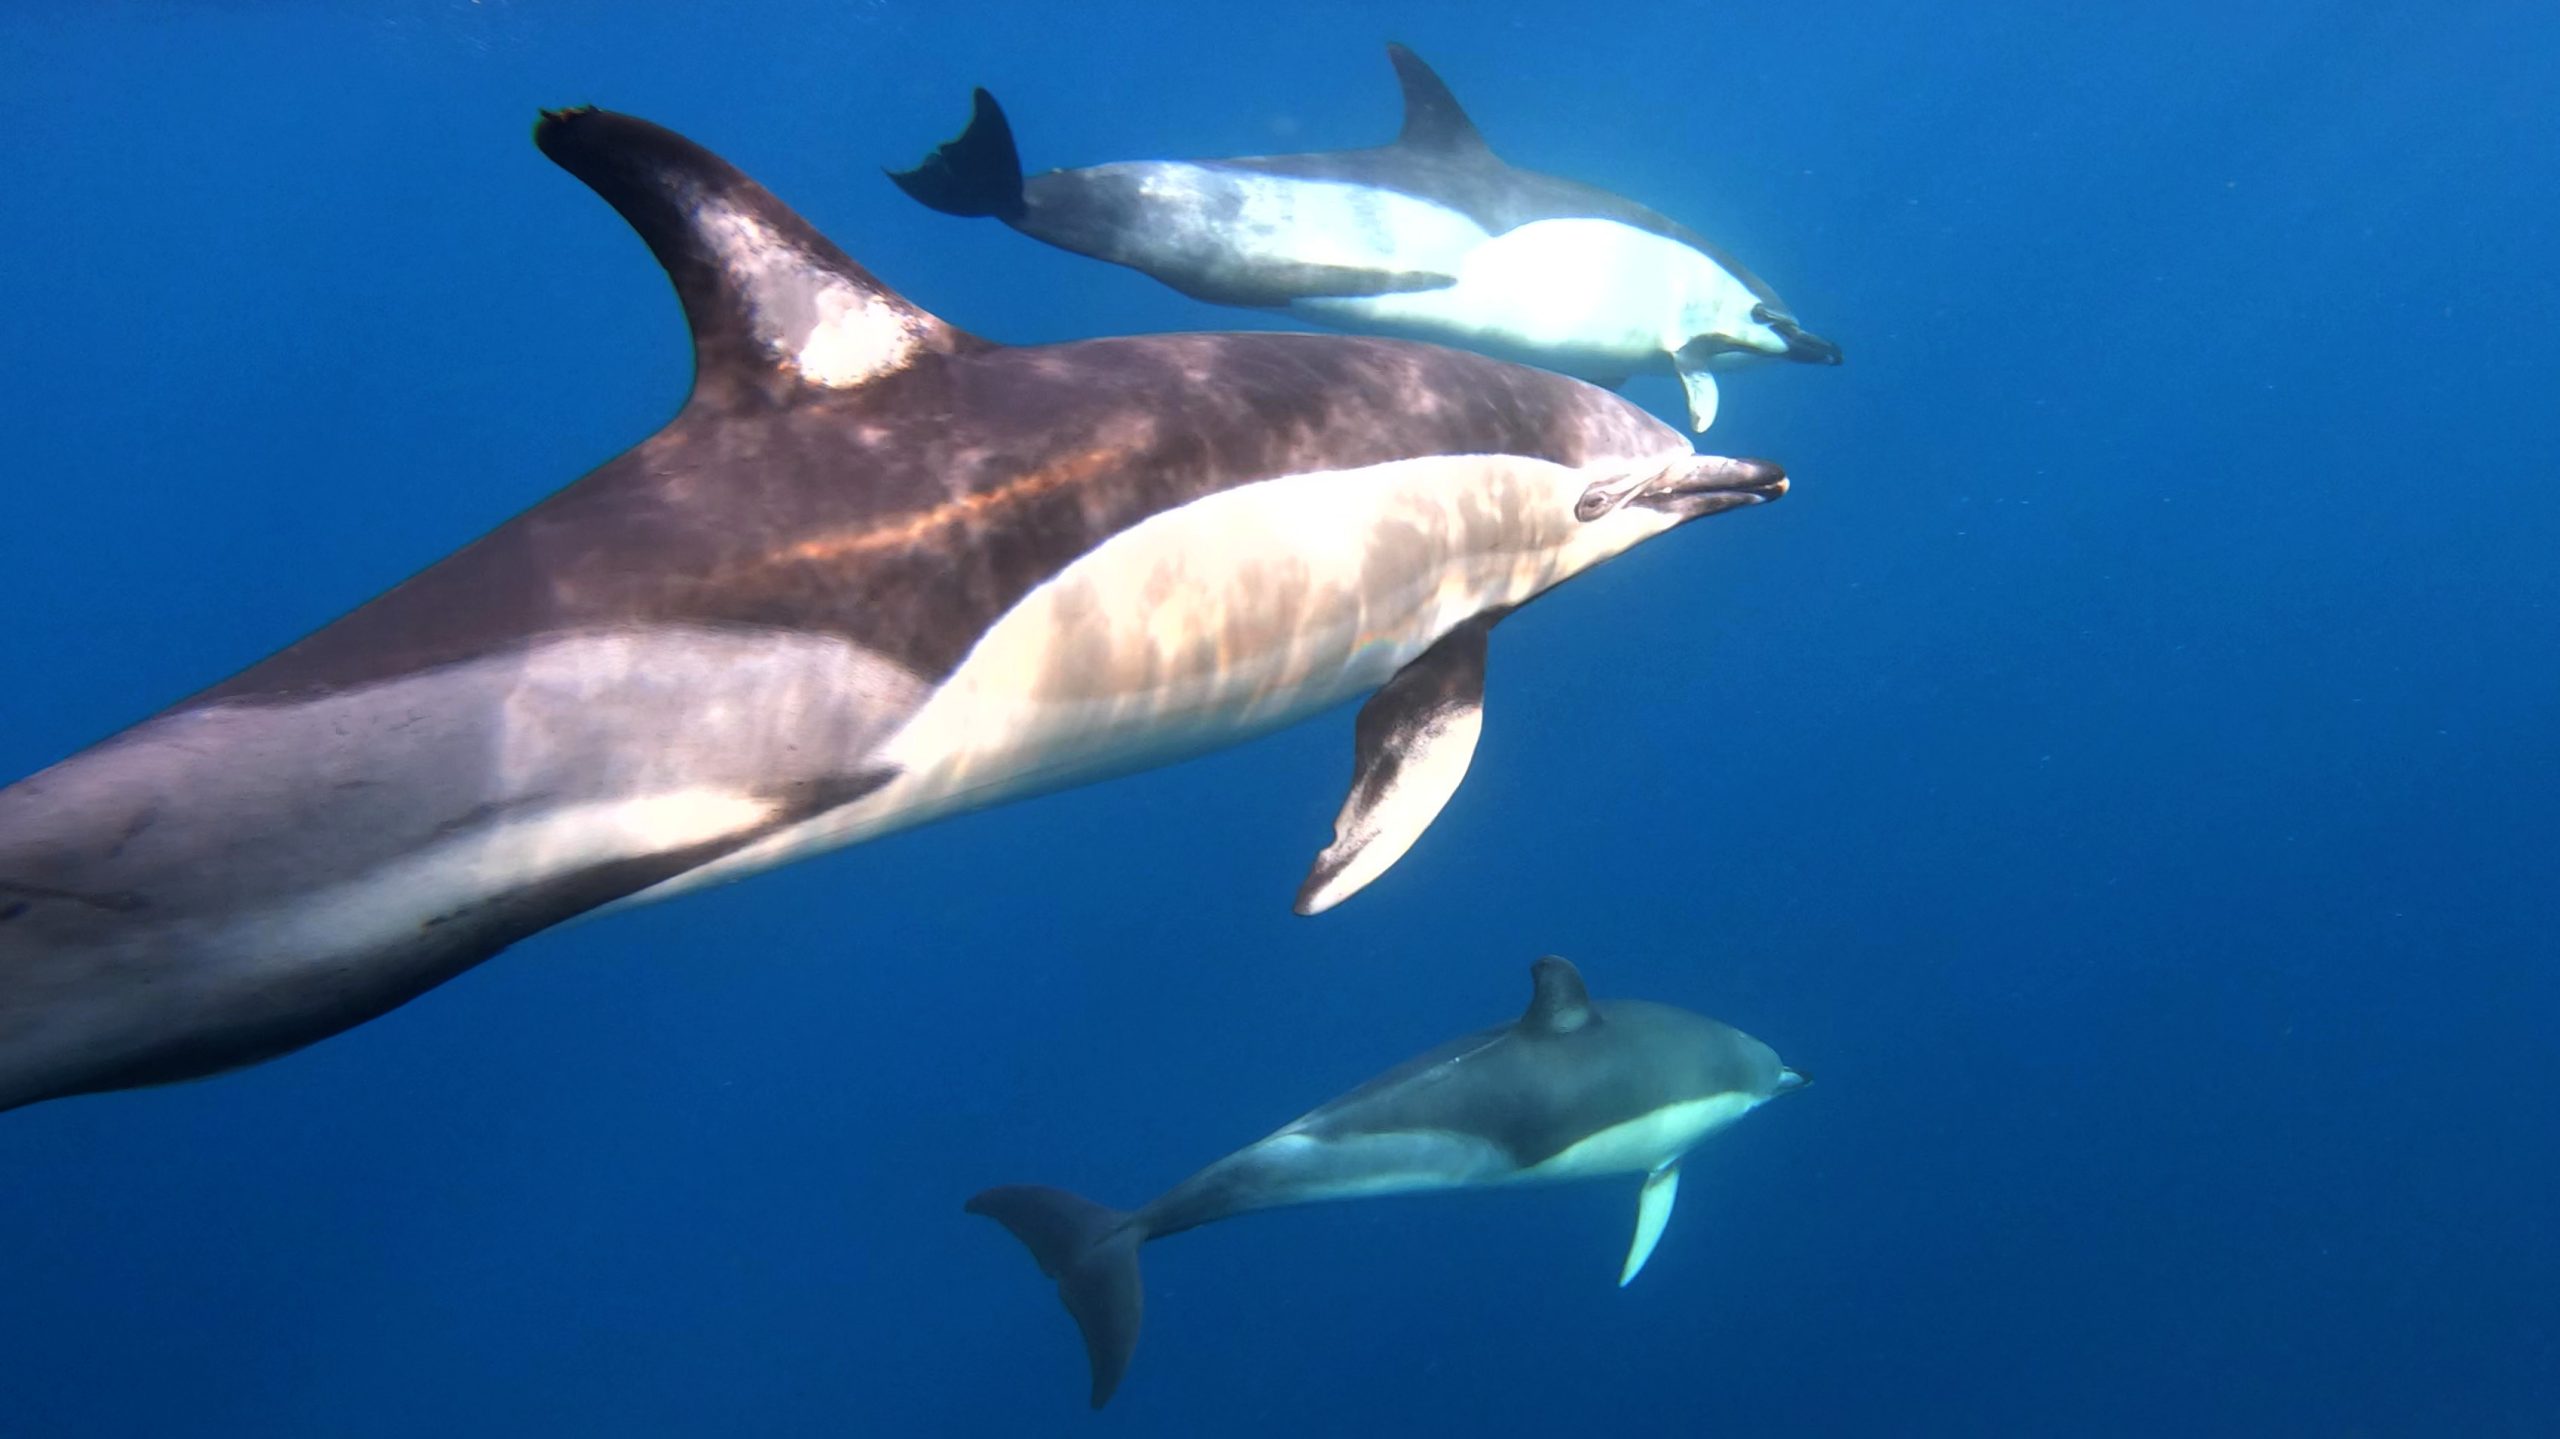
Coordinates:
1705 483
1691 487
1789 1081
1809 348
1803 345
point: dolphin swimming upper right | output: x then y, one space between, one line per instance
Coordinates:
1432 237
1573 1089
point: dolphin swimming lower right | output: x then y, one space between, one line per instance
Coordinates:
1575 1088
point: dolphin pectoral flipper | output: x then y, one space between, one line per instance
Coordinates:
1700 387
1413 742
1308 280
1278 284
1653 1210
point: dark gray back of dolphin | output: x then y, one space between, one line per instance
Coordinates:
932 482
920 471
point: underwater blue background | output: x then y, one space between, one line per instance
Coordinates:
2122 771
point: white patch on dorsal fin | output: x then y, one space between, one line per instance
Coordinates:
773 304
1433 119
1653 1210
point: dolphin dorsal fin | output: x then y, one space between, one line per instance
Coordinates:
774 306
1558 1004
1433 119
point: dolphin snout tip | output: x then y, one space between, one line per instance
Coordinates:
1801 345
1791 1080
1812 349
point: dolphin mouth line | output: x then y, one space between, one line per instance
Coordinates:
1755 481
1712 482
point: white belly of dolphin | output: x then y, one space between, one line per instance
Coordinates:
1220 620
1297 1167
1645 1143
1594 297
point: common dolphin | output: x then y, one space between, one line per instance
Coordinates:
875 571
1432 237
1573 1089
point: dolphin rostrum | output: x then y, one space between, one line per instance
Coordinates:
1432 237
875 571
1572 1089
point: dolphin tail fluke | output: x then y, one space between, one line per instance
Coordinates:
974 174
1092 1251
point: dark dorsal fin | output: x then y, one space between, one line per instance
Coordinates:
1432 118
1558 1004
774 306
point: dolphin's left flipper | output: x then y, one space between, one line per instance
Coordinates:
1309 280
1653 1210
1413 741
1701 389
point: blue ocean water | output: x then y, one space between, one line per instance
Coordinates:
2122 771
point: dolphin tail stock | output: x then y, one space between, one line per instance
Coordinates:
1092 1251
974 174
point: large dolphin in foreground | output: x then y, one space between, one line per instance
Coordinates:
1432 237
874 572
1574 1088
